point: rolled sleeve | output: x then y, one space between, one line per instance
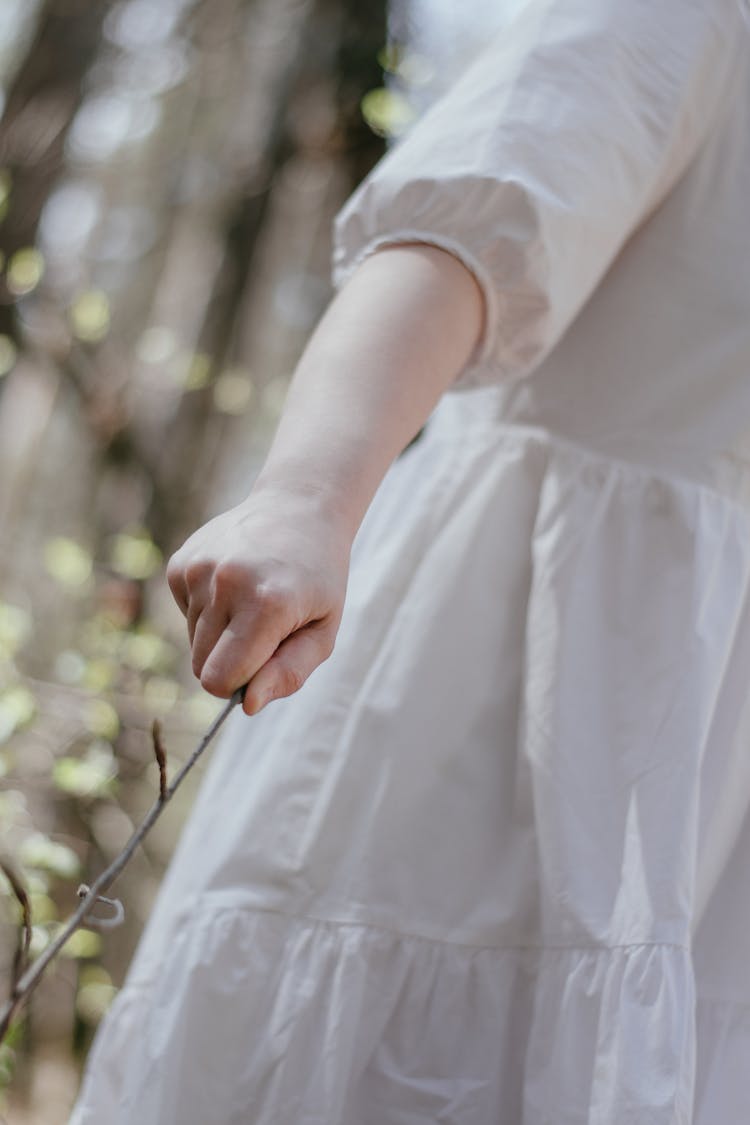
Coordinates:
561 138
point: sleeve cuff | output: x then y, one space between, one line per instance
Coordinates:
480 368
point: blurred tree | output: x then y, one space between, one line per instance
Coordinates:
170 170
39 108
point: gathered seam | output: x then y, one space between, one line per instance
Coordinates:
203 905
503 430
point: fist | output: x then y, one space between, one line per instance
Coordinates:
262 588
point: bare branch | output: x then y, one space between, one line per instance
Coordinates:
23 987
21 957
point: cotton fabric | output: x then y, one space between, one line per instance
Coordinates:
490 866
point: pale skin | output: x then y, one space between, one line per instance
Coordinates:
262 586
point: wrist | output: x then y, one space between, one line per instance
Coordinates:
293 490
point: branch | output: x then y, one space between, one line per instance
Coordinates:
21 957
24 985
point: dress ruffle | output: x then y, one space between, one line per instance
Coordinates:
308 1021
468 874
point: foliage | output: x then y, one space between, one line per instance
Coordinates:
168 173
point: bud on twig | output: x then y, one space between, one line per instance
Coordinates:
25 977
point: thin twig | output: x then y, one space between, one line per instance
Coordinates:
23 987
21 957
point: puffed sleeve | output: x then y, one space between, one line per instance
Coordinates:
562 136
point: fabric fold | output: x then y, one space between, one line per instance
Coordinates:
561 138
368 1026
475 892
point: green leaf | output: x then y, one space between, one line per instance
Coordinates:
233 392
93 775
40 939
135 555
90 315
160 694
199 371
8 355
387 112
25 270
95 993
83 943
15 626
145 651
43 908
68 562
99 674
17 708
100 718
39 850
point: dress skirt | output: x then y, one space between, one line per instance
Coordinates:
490 865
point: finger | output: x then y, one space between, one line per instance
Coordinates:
286 671
209 626
246 643
177 584
194 610
189 578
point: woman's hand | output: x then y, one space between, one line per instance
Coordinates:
262 587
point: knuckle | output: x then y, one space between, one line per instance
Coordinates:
290 680
175 572
271 598
196 572
229 577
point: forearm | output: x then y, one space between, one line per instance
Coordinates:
262 586
390 343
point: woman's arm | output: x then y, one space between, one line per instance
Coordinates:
395 337
262 586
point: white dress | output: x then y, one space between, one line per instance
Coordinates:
491 866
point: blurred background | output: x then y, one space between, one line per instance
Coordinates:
169 171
